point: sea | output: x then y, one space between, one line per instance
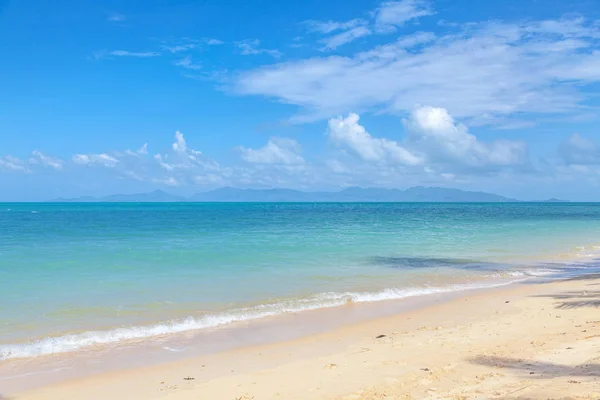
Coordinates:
80 276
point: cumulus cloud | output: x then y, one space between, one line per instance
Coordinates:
349 133
184 157
102 159
577 150
37 157
276 151
10 163
433 131
492 69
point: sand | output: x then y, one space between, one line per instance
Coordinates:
534 341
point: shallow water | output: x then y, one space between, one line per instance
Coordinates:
77 275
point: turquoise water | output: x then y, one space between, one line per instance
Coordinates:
78 275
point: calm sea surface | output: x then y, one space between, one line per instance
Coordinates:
77 275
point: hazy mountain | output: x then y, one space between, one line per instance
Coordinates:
351 194
157 196
554 200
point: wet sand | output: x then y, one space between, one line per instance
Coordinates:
527 341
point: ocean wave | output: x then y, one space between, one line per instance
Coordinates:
78 341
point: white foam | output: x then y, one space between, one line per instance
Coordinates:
74 342
172 349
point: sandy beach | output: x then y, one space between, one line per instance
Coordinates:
528 341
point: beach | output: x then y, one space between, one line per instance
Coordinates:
524 341
298 300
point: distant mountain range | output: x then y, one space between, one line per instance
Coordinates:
351 194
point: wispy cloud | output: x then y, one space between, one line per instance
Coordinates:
449 70
177 48
213 42
384 19
333 42
396 13
188 44
251 47
142 151
102 159
37 157
187 63
332 26
124 53
10 163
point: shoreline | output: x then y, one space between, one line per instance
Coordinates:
90 339
304 359
51 369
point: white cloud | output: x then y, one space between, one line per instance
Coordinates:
163 163
332 26
37 157
348 36
177 48
11 163
139 152
495 69
187 63
187 44
180 144
276 151
577 150
414 39
251 47
395 13
213 42
102 159
183 157
385 19
349 133
124 53
434 132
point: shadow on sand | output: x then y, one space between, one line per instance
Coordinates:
538 369
575 299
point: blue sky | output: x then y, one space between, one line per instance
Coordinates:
126 96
